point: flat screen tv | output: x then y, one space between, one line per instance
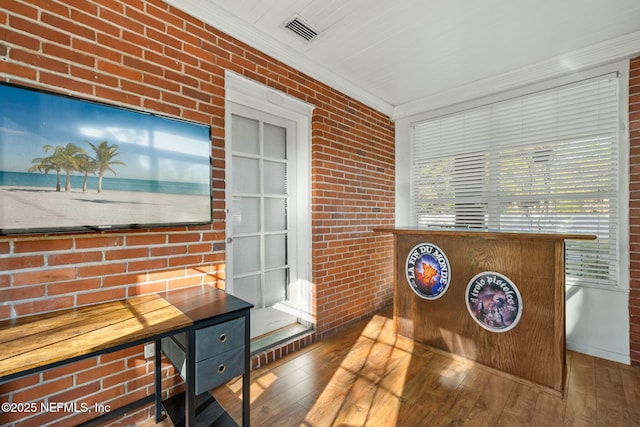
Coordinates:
69 164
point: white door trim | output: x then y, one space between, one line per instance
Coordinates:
246 92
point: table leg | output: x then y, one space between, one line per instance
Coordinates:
190 392
158 381
246 377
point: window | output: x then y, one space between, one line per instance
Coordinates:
544 162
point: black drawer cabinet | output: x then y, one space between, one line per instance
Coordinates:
208 354
216 339
219 353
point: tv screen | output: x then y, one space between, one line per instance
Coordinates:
71 164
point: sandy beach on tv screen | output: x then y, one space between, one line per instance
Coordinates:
34 207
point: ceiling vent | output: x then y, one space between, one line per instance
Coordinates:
301 28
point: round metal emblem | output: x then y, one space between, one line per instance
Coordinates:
494 301
428 272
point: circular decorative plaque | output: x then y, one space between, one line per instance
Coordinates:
428 272
493 301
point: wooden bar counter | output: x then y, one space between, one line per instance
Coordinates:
499 298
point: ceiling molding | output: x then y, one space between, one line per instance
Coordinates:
624 47
246 33
599 54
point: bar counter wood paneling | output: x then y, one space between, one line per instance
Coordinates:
534 350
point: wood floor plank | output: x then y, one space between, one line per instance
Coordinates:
456 410
631 385
384 408
610 396
489 407
520 406
580 410
291 415
325 404
549 411
582 374
366 376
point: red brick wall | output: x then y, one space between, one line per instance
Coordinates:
634 208
149 56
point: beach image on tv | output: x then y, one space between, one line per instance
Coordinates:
67 163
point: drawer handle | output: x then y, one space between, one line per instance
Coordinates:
222 337
221 368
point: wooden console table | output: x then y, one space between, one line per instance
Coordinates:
35 343
533 346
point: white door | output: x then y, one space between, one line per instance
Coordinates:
261 222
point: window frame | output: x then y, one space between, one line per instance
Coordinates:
406 214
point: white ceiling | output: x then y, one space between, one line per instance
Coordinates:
403 57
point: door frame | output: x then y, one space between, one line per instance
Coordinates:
248 93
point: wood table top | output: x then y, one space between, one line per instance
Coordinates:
34 341
203 303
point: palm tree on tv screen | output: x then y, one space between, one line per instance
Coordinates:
69 161
47 164
104 159
86 165
63 157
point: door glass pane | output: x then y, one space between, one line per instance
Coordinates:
245 214
248 289
258 226
275 214
246 255
246 178
275 141
275 250
275 286
245 135
275 178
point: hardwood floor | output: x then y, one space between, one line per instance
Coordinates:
365 376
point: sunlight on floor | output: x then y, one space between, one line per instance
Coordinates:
369 381
261 384
366 377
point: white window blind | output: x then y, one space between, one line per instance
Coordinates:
545 162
